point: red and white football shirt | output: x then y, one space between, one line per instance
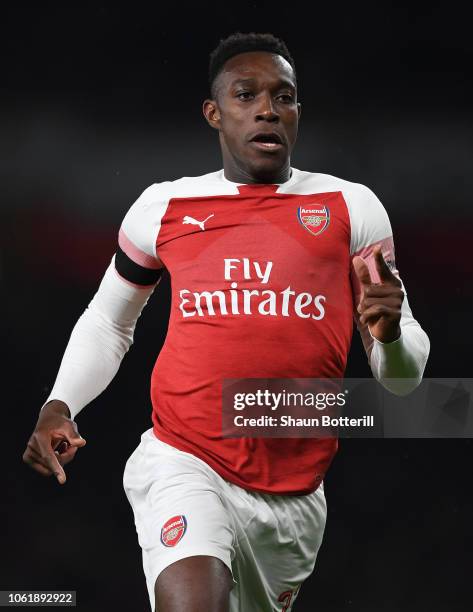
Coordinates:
262 287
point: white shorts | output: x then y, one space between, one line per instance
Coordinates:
183 508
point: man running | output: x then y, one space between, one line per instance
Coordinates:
269 266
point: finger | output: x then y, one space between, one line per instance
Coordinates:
49 459
383 291
27 456
62 447
31 454
382 267
39 467
67 456
65 452
394 302
361 271
372 314
64 458
73 438
33 459
50 467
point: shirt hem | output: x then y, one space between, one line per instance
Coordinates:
224 473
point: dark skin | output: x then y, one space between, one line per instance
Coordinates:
255 93
380 303
54 441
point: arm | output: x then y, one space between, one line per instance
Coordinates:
99 340
396 345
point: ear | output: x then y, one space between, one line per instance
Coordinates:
299 110
211 113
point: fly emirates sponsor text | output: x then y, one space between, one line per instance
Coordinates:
235 301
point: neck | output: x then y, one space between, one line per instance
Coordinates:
246 176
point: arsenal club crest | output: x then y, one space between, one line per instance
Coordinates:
314 217
173 530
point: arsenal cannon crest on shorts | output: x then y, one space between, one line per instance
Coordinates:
314 217
173 530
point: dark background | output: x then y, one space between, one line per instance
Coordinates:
97 103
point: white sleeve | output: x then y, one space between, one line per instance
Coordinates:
99 341
104 333
397 365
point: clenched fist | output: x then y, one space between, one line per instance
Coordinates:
380 303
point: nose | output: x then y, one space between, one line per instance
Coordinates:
266 110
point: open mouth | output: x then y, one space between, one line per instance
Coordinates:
267 141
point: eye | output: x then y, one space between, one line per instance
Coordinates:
286 98
244 95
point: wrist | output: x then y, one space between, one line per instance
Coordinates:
388 339
57 407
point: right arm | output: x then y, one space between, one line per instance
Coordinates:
99 341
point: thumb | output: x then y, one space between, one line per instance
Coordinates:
361 270
75 439
70 438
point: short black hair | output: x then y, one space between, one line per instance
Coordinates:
243 43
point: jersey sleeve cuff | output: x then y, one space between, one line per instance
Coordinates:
390 346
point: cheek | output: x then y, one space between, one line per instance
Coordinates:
234 125
292 124
234 115
230 134
233 130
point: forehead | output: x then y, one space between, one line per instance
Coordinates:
258 65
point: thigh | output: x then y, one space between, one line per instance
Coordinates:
194 584
276 551
178 515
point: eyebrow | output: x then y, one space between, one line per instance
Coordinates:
251 81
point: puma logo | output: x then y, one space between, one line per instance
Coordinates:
193 221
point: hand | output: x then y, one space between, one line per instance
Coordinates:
54 442
380 303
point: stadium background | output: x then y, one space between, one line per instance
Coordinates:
97 103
